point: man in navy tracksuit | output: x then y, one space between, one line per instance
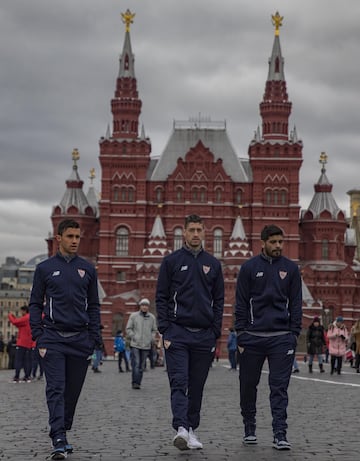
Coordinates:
268 316
189 303
65 323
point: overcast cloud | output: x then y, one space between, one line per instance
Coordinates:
59 61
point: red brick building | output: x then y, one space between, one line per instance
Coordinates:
145 198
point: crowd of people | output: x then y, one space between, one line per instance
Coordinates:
59 334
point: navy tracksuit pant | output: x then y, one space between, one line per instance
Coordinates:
279 352
188 355
65 364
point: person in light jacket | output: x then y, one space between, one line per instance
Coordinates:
141 329
338 337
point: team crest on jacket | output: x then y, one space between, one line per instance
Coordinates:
282 274
206 269
81 272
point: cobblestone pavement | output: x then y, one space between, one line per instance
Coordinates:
115 422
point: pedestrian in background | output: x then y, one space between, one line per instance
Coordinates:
315 339
2 352
355 331
232 348
11 352
65 322
141 329
24 343
189 303
338 337
36 364
120 349
268 314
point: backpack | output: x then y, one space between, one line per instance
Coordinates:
119 344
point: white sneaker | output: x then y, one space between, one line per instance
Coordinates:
181 439
194 443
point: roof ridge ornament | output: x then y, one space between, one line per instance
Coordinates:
127 19
277 22
75 157
323 161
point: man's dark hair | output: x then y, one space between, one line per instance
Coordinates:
24 308
192 218
269 231
66 224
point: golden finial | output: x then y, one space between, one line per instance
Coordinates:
277 22
127 19
92 175
75 155
323 158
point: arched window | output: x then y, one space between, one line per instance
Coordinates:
325 249
218 234
238 196
159 195
122 241
283 195
276 197
131 194
268 197
116 194
203 195
218 195
179 194
123 194
178 238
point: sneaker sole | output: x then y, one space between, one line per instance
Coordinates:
58 456
193 447
250 442
277 447
180 443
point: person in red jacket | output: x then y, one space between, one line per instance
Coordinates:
23 344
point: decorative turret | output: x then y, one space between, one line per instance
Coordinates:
76 205
74 200
323 225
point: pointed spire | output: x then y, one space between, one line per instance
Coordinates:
238 246
92 196
127 58
142 135
126 105
157 244
275 108
276 61
108 135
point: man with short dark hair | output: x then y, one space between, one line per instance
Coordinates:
65 322
189 303
268 316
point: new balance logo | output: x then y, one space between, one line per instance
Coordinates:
55 273
260 274
184 268
290 352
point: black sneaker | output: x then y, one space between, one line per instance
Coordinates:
69 448
250 437
59 451
280 442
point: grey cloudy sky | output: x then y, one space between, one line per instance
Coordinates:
58 67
